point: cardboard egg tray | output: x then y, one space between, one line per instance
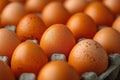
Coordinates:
112 73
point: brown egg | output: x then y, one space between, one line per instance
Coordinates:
3 3
58 70
109 38
88 56
8 42
74 6
54 13
36 5
28 57
116 24
12 13
5 72
113 5
99 13
82 25
23 1
30 27
57 39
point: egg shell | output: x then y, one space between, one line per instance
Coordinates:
55 13
99 13
74 6
30 26
8 42
57 39
12 13
109 38
88 56
36 5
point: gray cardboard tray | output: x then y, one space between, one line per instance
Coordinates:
112 73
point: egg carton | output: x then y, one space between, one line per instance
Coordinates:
112 73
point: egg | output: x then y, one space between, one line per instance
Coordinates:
55 13
88 56
109 38
116 24
113 5
5 72
8 42
57 70
28 57
57 39
36 5
82 26
99 13
74 6
30 26
12 13
3 3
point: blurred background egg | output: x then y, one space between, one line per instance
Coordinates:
5 72
36 5
74 6
99 13
113 5
109 38
8 42
12 13
54 13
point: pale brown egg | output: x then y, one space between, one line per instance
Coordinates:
113 5
74 6
8 42
109 38
36 5
12 13
99 13
54 13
